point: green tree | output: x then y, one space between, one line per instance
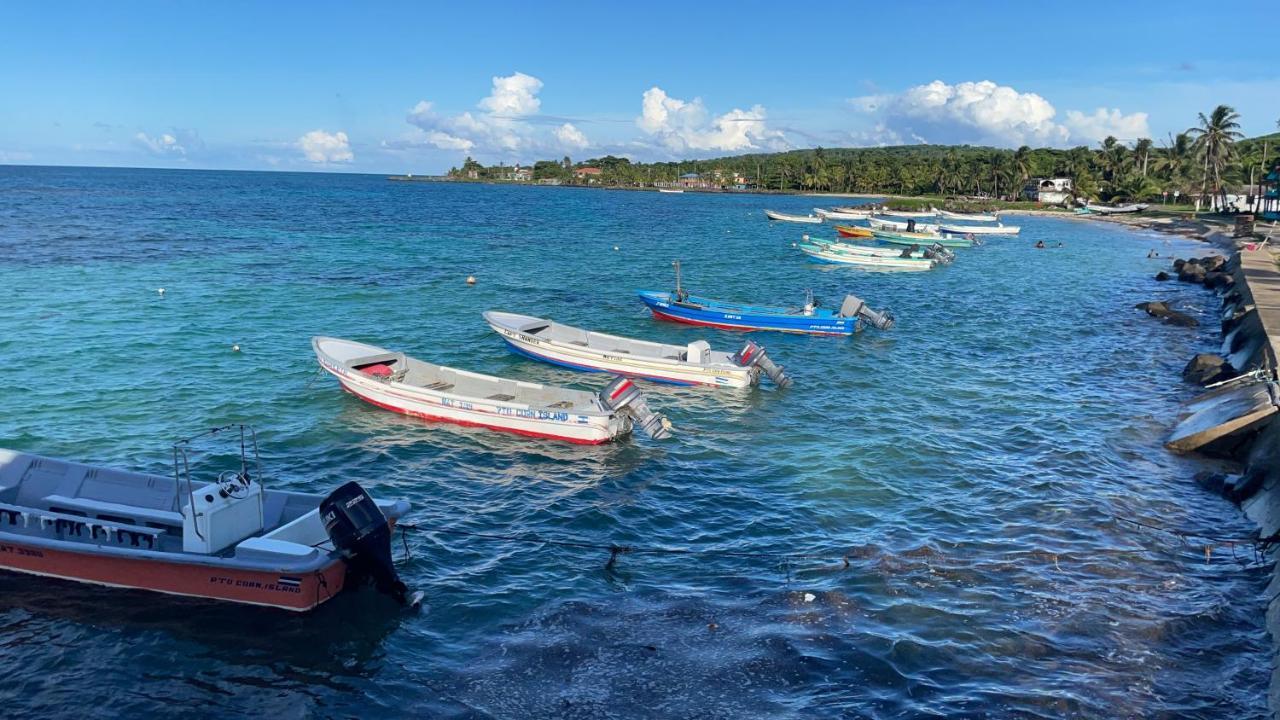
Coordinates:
1214 142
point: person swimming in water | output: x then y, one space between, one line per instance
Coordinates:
1039 244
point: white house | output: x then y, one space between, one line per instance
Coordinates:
1050 191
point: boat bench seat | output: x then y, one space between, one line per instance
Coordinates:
439 386
98 507
11 514
263 549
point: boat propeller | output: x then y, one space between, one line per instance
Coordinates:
361 533
752 355
622 395
853 306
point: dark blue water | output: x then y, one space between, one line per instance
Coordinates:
969 462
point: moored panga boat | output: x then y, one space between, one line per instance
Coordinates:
784 217
223 538
972 217
840 214
909 238
981 229
906 261
853 231
394 381
692 364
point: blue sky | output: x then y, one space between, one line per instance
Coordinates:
415 87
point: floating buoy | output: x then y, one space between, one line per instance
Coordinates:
160 290
235 347
615 248
471 279
794 245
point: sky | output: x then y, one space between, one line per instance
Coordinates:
391 87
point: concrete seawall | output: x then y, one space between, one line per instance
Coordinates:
1251 345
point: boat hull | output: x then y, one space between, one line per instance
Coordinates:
981 229
670 373
901 239
664 309
784 217
267 588
867 261
853 232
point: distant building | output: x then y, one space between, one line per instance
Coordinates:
693 180
473 174
1269 199
590 174
520 174
1050 191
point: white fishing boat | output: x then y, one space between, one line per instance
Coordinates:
856 209
933 251
840 214
674 191
784 217
968 217
394 381
823 254
908 213
692 364
997 229
882 224
1116 209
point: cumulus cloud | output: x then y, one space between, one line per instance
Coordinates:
513 95
504 124
571 137
680 126
1104 122
319 146
987 113
163 145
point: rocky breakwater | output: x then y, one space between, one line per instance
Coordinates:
1235 417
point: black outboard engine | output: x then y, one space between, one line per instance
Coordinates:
939 253
622 395
360 532
855 307
752 355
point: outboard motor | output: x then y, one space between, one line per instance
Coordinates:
908 252
939 253
855 307
360 532
622 395
752 355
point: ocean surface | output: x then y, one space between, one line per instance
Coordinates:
970 463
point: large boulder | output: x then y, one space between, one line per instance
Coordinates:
1215 279
1177 264
1192 273
1162 276
1167 314
1206 369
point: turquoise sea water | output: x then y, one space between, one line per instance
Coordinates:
969 462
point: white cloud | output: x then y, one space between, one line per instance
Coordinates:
987 113
571 138
679 126
164 144
501 128
513 95
319 146
1105 122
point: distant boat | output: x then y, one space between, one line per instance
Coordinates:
1116 210
394 381
670 190
852 231
968 216
840 214
933 250
981 229
811 219
909 213
895 262
856 209
882 224
908 238
692 364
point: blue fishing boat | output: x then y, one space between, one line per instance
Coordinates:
680 306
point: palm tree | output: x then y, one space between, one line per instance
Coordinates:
1022 163
1142 153
1214 142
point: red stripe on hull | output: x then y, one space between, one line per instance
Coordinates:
465 423
253 587
739 328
